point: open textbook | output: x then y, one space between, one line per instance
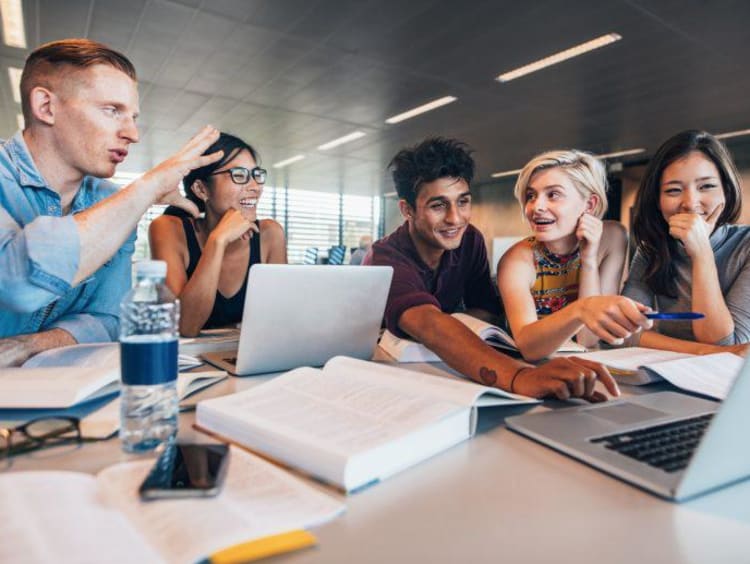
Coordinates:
353 422
75 517
66 376
406 350
210 340
711 375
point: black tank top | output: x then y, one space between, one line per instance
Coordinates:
226 310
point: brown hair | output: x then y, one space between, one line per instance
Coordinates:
49 58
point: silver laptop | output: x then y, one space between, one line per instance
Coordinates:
302 315
674 445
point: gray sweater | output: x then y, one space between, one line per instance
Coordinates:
731 246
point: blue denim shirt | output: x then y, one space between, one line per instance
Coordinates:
39 253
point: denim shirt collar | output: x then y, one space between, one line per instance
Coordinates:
28 174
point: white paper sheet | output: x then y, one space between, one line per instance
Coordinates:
55 517
257 499
711 375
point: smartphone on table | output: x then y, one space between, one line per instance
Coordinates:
187 470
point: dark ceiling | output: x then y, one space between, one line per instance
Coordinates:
289 75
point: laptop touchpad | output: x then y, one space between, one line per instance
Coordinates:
625 413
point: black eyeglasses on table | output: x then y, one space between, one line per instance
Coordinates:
39 433
241 175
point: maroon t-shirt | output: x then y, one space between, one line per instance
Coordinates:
462 276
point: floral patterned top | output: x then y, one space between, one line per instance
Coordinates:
556 283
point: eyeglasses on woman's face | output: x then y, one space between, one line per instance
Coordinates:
241 175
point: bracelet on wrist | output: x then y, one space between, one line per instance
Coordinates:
515 375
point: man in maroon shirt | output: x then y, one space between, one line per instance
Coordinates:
440 262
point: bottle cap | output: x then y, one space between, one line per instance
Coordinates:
151 268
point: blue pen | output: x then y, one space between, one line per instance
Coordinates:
678 315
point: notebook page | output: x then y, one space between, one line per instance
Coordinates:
483 329
94 355
90 354
344 414
448 388
56 516
711 375
631 358
257 499
38 388
406 350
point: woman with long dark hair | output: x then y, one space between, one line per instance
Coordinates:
690 254
208 258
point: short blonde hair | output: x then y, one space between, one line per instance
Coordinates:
585 171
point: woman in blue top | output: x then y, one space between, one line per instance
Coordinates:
690 256
208 258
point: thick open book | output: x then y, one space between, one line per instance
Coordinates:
63 377
353 422
75 517
406 350
711 375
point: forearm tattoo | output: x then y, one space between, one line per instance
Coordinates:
487 376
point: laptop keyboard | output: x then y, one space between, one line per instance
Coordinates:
668 447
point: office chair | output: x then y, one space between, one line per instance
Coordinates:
336 254
311 255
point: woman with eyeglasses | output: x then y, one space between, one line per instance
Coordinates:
208 258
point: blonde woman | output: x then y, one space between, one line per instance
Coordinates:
563 281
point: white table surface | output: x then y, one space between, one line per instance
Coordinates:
495 498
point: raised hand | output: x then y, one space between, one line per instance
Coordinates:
164 178
565 378
232 226
613 318
693 231
589 235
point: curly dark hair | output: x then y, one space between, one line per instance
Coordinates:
431 159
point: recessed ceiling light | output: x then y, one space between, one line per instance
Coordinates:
14 31
290 160
390 195
506 173
342 140
738 133
421 109
15 83
560 57
620 153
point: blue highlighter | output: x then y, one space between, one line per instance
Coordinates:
676 316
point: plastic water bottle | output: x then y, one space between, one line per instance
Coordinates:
149 322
